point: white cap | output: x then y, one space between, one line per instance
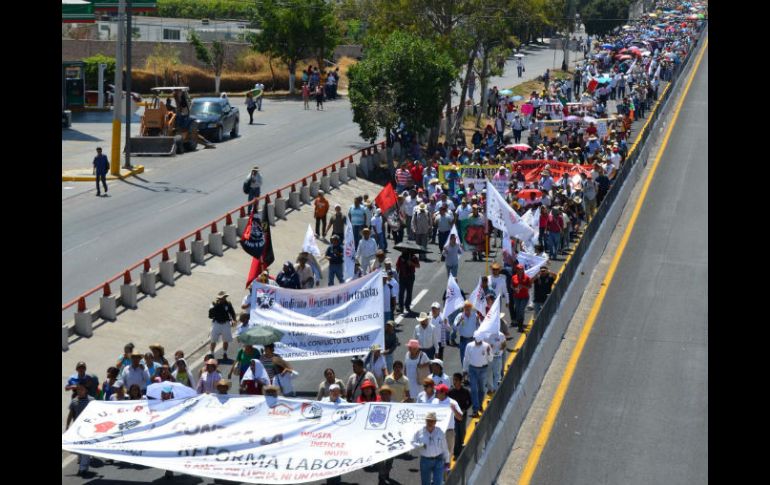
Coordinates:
435 304
334 387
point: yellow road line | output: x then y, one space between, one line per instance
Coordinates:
558 399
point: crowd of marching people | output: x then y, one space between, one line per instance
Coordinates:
554 184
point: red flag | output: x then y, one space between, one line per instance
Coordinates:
254 271
386 198
592 85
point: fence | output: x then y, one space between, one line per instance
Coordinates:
493 417
204 240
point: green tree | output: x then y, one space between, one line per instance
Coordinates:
162 61
601 16
295 29
92 69
402 78
213 57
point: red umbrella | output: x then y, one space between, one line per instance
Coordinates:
526 194
624 57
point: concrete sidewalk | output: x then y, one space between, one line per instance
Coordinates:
177 317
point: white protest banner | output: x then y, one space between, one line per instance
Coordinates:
531 263
323 322
478 184
349 252
454 298
507 246
309 245
532 219
491 323
254 439
503 216
601 128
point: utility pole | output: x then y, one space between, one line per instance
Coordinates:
570 29
115 159
129 34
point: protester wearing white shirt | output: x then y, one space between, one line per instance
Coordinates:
478 355
442 398
497 342
375 363
367 248
427 335
431 443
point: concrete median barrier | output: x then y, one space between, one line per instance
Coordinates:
167 272
280 208
242 222
230 236
352 171
216 246
271 213
304 194
184 262
343 175
325 184
65 338
84 325
129 295
314 187
108 308
294 201
148 280
198 252
334 179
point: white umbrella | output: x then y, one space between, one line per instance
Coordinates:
180 390
518 55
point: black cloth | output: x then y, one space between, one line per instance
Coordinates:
334 253
288 279
222 311
542 286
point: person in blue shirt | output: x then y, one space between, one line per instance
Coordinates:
358 218
101 166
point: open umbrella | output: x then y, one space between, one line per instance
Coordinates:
506 92
623 57
521 147
260 335
409 247
589 119
517 98
518 55
607 46
573 118
526 194
180 390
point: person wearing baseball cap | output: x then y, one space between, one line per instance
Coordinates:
443 330
431 443
476 364
455 413
209 378
253 187
335 395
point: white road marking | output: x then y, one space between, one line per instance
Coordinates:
66 462
419 296
68 188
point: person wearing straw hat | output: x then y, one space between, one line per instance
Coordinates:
367 249
416 363
222 315
209 378
427 334
431 443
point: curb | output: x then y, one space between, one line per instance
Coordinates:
92 178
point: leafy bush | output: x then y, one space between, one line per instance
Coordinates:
208 9
92 70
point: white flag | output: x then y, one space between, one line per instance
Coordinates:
507 246
657 73
454 298
457 238
478 298
349 253
503 216
309 245
532 219
531 263
491 323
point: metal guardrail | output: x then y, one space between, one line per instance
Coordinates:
87 299
492 416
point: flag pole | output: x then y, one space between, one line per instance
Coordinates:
487 258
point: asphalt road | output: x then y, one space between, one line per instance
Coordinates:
636 411
103 236
429 287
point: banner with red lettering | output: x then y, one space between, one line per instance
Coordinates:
533 168
254 439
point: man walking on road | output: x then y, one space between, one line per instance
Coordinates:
431 443
221 314
77 405
101 167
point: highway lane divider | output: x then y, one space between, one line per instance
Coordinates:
167 263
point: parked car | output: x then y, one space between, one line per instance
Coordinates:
215 117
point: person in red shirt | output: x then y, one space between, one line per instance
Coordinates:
520 283
416 172
555 225
591 130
